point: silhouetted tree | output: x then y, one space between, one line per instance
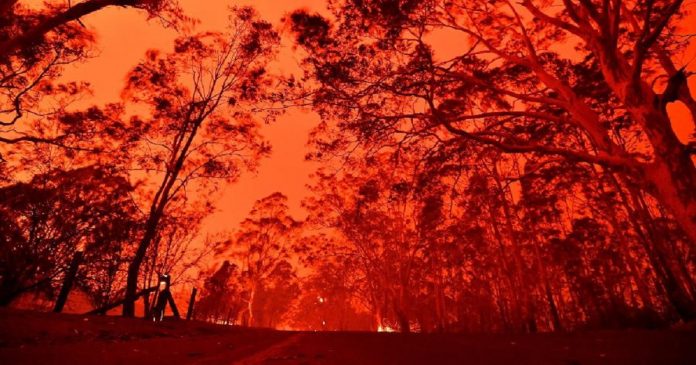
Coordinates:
379 78
199 129
262 249
47 219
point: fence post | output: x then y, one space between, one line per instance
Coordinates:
189 312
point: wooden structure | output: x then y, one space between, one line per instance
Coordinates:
192 301
113 305
162 298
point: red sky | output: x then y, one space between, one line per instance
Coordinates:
124 36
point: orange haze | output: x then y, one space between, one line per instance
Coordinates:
124 36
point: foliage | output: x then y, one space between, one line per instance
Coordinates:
47 219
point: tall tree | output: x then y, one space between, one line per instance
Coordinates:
262 249
511 86
200 128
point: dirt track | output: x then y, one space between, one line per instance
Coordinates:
40 338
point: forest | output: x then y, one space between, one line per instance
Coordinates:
481 166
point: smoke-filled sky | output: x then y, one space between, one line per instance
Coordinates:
124 35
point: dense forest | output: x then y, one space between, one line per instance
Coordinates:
483 166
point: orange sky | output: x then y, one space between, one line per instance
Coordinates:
123 37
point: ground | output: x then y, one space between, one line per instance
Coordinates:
46 338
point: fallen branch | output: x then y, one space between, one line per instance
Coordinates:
107 307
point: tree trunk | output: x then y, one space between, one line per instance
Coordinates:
68 282
674 180
250 306
658 254
671 176
512 288
440 308
404 323
543 272
134 266
613 183
529 310
159 203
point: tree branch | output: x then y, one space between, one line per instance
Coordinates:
73 13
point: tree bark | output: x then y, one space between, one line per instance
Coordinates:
671 176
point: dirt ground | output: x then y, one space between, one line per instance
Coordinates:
46 338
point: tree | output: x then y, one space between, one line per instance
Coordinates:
223 295
510 87
46 220
200 129
177 250
30 28
328 301
275 297
262 249
500 242
36 43
32 100
388 228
